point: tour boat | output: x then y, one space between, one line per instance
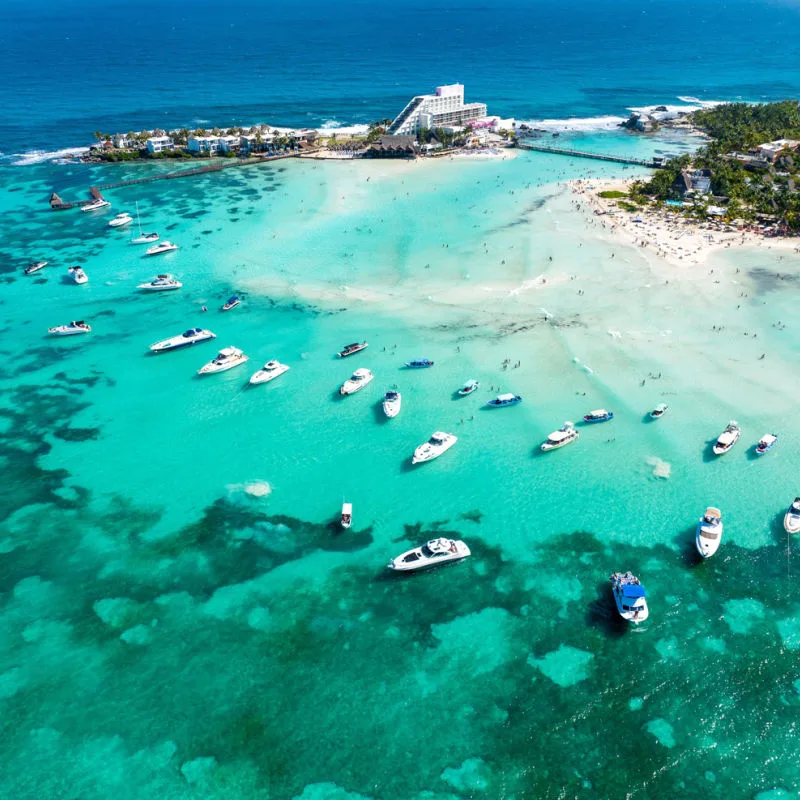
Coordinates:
438 443
505 400
392 401
186 339
419 363
75 327
347 515
161 283
143 238
350 349
709 532
227 358
120 220
356 382
564 435
728 438
161 247
630 597
96 205
436 551
766 443
469 387
269 372
78 275
659 411
35 267
791 522
598 415
232 302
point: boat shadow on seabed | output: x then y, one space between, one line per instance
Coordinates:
602 613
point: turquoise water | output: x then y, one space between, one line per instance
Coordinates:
183 616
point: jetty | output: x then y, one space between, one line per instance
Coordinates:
653 163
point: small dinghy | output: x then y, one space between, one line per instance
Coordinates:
436 551
419 363
728 438
659 411
598 415
709 532
469 387
232 302
630 597
347 515
766 443
392 401
74 328
35 267
791 522
504 400
352 349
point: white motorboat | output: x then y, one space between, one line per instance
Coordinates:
659 411
78 275
791 521
728 438
766 443
392 401
120 220
96 205
356 382
630 597
186 339
35 267
439 443
143 238
161 247
709 532
269 372
436 551
347 515
227 358
563 436
469 387
74 328
161 283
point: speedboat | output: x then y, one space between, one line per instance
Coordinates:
659 411
78 275
350 349
766 443
145 238
598 415
161 247
227 358
469 387
78 326
791 521
347 515
269 372
630 597
186 339
356 382
391 403
231 303
161 283
438 443
419 363
728 438
709 532
120 220
96 205
35 267
505 400
564 435
436 551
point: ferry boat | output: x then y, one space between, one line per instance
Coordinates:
270 371
347 515
352 349
469 387
659 411
439 443
161 247
74 328
78 275
630 597
356 382
161 283
728 438
227 358
709 532
791 521
35 267
766 443
505 400
232 302
419 363
186 339
563 436
436 551
598 415
392 401
96 205
120 220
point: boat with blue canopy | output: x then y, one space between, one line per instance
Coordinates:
598 415
231 302
630 597
419 363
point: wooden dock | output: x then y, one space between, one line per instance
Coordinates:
565 151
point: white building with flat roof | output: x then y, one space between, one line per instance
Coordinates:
445 107
155 144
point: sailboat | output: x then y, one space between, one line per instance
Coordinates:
143 238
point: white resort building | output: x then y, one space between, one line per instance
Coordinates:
155 144
446 107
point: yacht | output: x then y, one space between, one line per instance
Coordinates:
347 515
161 247
709 532
161 283
438 443
766 443
78 326
419 363
598 415
659 411
728 438
392 401
227 358
78 275
186 339
351 349
791 521
356 382
96 205
505 400
35 267
564 435
232 302
469 387
269 372
630 597
120 220
143 238
436 551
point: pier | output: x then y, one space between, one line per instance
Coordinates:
566 151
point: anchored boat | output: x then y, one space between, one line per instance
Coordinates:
630 597
728 438
436 551
352 349
709 532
